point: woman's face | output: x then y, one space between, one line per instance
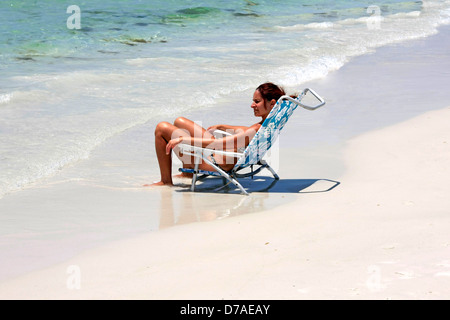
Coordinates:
261 108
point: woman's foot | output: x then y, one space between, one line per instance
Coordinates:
156 184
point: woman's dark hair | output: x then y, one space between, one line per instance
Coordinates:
270 91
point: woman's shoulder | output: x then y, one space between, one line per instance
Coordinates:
255 127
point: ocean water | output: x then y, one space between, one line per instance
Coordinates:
78 75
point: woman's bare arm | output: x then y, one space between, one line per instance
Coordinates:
227 128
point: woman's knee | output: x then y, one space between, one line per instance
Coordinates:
162 128
168 131
181 122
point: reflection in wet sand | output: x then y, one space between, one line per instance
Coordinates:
212 201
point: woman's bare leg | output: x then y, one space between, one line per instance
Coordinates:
164 132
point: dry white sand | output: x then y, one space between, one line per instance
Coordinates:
383 233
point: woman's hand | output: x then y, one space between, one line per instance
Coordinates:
172 144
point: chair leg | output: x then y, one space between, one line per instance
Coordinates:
231 179
275 175
194 176
237 184
218 169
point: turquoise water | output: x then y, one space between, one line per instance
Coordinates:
64 92
37 31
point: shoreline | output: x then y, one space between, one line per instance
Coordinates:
259 243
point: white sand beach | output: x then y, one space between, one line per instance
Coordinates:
373 225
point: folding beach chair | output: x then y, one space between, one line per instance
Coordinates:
257 148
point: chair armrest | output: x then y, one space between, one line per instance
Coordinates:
297 101
220 134
196 151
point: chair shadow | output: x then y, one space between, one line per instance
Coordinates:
262 184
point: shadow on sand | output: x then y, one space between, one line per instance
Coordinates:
263 184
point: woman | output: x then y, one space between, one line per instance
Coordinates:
168 136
